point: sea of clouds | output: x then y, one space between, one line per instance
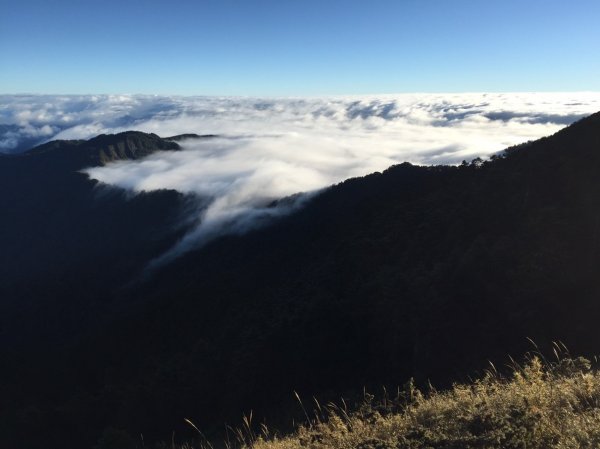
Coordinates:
271 148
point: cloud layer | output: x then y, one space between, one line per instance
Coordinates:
271 148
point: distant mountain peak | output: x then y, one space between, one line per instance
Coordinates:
128 145
103 149
180 137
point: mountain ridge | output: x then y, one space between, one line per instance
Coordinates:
105 148
423 272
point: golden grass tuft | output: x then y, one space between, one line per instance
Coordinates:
541 405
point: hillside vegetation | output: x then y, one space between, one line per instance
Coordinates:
541 405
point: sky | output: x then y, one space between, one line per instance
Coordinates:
298 48
303 94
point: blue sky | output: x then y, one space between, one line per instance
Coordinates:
289 47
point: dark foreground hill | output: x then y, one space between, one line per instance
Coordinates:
423 272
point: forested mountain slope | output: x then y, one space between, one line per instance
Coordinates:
424 272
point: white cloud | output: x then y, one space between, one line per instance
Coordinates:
270 148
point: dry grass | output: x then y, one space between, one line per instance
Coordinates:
541 405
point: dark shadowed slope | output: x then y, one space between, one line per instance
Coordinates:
59 221
417 271
66 241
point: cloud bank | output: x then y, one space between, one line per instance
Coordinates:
271 148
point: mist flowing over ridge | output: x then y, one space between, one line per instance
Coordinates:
266 149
